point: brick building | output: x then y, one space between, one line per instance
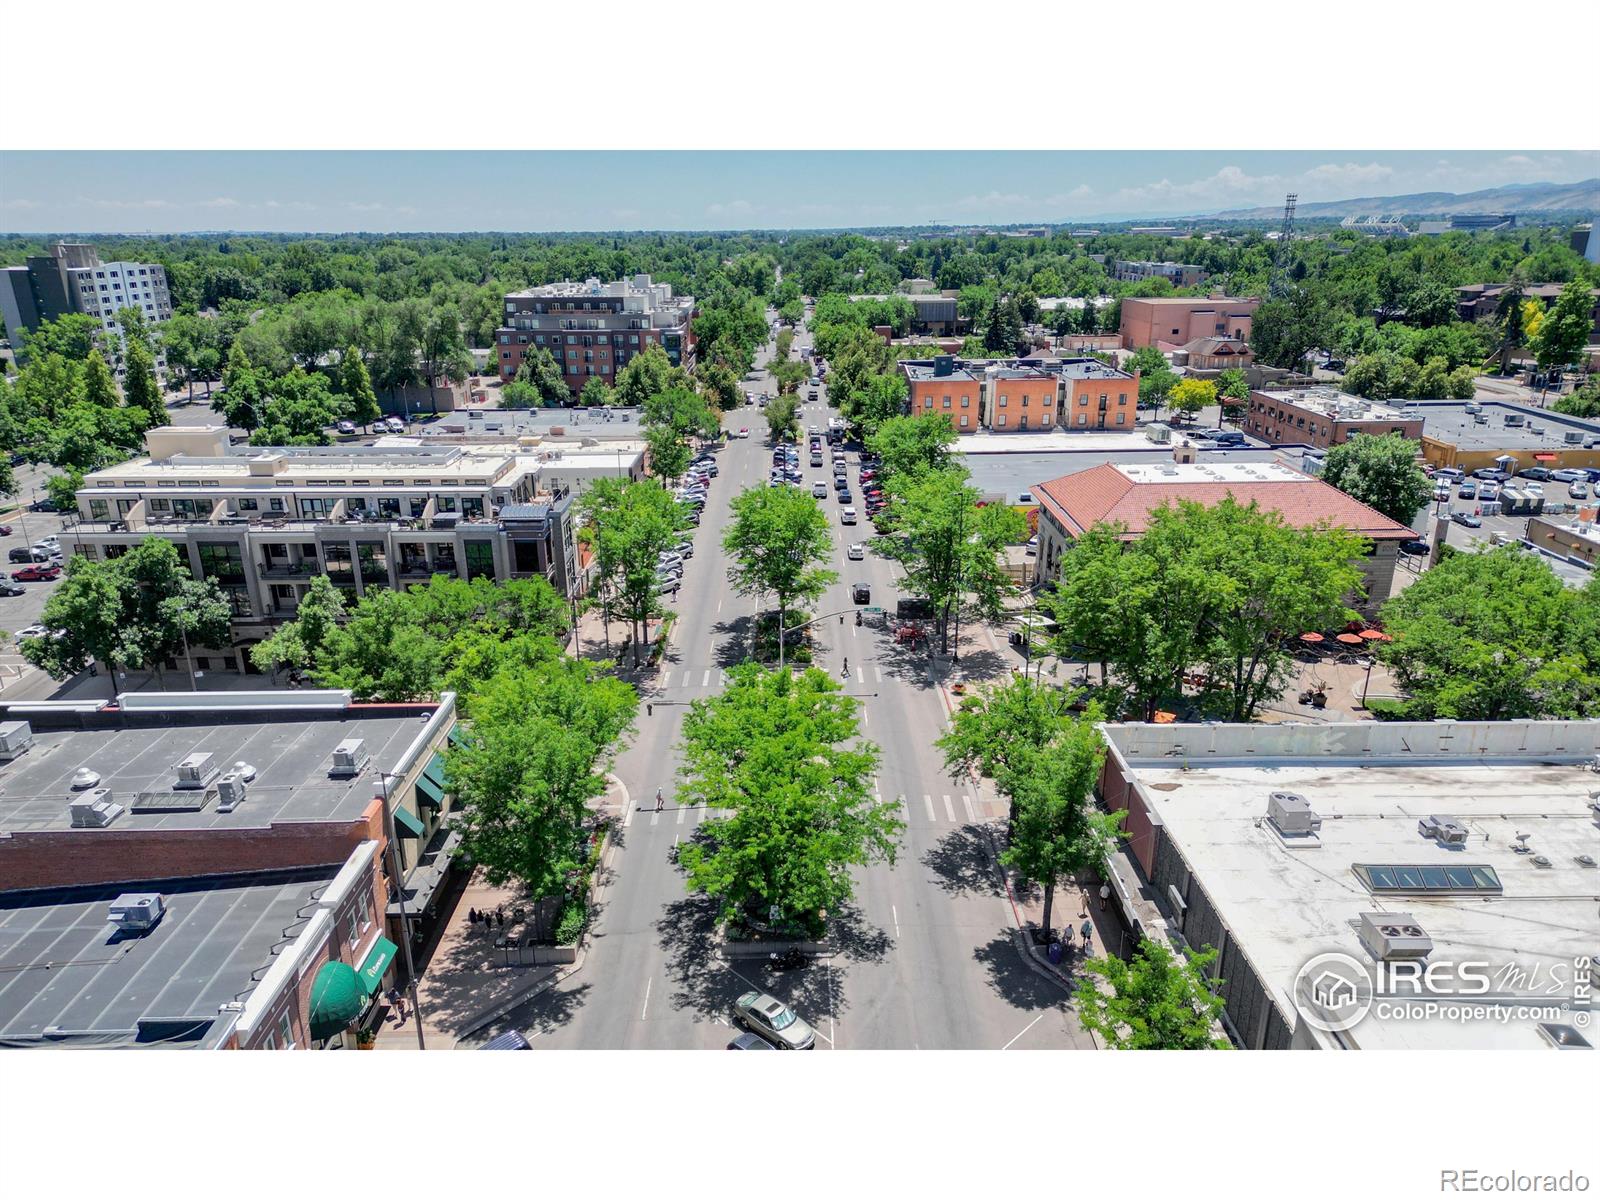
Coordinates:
1478 301
1324 417
1126 494
1178 274
593 329
1168 322
1031 395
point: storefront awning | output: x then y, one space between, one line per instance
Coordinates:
428 793
458 736
337 999
377 962
407 825
1544 457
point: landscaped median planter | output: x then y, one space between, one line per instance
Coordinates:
762 945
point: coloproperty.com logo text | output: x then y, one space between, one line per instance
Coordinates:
1335 991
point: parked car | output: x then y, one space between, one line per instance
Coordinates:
11 589
774 1020
1489 491
37 573
29 631
1469 491
819 490
510 1040
1540 473
1493 474
1415 546
1578 491
5 530
346 427
1467 519
28 554
1032 548
43 506
1568 475
750 1041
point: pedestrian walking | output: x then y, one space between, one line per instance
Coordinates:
661 801
1086 931
500 916
1105 894
397 1001
472 916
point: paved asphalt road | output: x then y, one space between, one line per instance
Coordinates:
926 958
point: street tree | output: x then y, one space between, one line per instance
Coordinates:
630 524
1190 396
781 413
1511 315
948 546
880 398
671 419
297 643
1155 1001
776 542
534 760
543 384
297 410
1284 330
646 374
1495 636
596 393
1055 832
139 387
147 608
995 731
783 755
909 445
355 386
1382 473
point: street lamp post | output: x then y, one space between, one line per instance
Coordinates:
783 632
1368 662
400 899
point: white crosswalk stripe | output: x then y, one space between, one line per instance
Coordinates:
877 674
706 682
682 812
950 810
972 813
928 800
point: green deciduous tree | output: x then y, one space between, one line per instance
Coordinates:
948 546
630 523
777 541
139 387
1566 328
780 413
1495 636
909 445
1283 331
297 643
646 374
355 385
1584 402
1155 1001
1192 395
542 374
534 759
296 410
783 754
1382 473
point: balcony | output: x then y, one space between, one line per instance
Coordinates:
303 569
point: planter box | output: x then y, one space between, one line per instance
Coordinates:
760 947
544 955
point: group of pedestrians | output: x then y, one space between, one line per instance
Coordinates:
489 920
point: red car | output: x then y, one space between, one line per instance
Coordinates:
5 531
36 574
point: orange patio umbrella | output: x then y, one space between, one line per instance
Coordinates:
1310 637
1376 635
1349 639
1165 718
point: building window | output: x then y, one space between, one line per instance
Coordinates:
963 420
222 561
1122 418
1002 421
480 559
285 1032
1003 401
966 402
1083 401
947 401
374 562
1083 418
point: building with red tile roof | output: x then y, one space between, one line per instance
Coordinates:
1126 494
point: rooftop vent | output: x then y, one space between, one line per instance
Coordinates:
83 777
1541 860
94 809
1443 830
1584 860
1572 436
197 771
15 738
1394 936
1290 813
350 757
134 912
1563 1037
1536 430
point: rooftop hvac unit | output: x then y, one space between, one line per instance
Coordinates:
349 758
1290 813
196 771
1393 937
136 911
15 738
1443 830
95 809
1572 436
84 777
1536 430
230 791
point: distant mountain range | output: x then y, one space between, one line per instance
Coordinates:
1513 198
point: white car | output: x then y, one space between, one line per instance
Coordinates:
741 432
346 427
32 631
847 515
856 553
1578 491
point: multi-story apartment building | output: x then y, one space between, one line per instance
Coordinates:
1023 395
592 329
1481 301
1325 417
1168 322
72 279
263 521
1179 274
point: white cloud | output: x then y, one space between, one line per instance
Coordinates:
991 200
20 203
220 202
357 206
97 202
1348 175
406 210
733 208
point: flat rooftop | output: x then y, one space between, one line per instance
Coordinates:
1284 901
291 757
69 976
1010 474
538 422
1450 422
1336 405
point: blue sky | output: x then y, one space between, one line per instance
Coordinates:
169 192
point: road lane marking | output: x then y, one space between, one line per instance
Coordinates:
1031 1024
928 800
687 676
681 811
655 817
896 913
706 682
719 605
861 675
972 814
950 810
646 1007
878 673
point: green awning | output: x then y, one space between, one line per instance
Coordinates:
337 999
429 794
407 825
383 951
434 771
458 736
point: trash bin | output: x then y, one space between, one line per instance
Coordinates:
1055 952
